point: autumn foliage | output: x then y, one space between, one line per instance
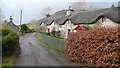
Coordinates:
94 47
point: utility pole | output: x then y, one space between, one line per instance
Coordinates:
21 21
20 17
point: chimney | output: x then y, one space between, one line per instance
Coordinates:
70 8
48 15
11 18
69 11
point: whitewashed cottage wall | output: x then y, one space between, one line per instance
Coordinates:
53 26
43 27
42 24
107 23
67 26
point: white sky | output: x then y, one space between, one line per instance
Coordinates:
32 8
60 0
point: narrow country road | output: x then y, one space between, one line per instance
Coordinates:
33 53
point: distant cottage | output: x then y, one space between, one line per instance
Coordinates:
10 24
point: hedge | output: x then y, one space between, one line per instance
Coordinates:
10 41
52 41
94 47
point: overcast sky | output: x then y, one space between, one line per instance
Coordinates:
32 8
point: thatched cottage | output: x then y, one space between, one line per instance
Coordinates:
106 17
10 24
67 23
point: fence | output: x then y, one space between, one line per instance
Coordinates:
52 41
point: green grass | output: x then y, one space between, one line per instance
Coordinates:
60 53
39 39
0 62
8 61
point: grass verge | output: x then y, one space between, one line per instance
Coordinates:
60 53
39 39
0 62
8 61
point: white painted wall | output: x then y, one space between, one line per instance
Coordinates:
68 25
43 27
52 26
69 12
108 23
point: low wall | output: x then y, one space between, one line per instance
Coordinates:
52 41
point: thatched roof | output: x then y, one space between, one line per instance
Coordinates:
80 18
48 21
58 14
62 20
42 20
86 17
10 25
113 14
89 17
92 16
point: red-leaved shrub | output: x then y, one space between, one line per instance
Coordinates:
96 47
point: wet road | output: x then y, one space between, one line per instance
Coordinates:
33 53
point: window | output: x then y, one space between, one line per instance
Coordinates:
103 20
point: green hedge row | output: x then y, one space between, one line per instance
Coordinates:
10 41
52 41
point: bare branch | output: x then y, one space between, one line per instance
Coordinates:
80 6
46 11
0 17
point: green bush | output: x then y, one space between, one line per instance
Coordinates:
53 33
86 27
32 30
57 34
24 27
10 41
46 33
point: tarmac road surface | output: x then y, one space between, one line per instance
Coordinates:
33 53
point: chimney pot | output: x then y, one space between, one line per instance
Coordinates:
48 15
70 8
11 18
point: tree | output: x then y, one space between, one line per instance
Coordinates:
113 6
24 27
0 17
79 5
46 11
5 21
35 24
82 6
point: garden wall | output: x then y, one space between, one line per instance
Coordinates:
52 41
